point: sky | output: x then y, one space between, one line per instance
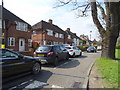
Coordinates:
33 11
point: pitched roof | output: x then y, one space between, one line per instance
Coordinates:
7 15
73 35
46 25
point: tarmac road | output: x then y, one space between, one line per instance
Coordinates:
68 74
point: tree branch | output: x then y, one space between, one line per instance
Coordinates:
62 3
95 18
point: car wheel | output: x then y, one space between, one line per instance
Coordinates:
73 55
36 68
56 61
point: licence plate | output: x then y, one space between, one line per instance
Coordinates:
41 55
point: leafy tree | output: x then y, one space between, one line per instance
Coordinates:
106 17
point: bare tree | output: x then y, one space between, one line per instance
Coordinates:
108 23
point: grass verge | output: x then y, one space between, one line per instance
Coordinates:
109 71
117 53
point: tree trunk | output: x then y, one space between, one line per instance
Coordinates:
110 35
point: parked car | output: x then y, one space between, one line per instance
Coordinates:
73 51
14 63
91 49
51 54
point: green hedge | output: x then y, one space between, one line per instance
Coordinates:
84 48
118 47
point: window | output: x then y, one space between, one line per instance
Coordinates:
29 42
0 23
50 32
61 36
11 41
34 33
8 54
69 36
21 26
56 35
55 43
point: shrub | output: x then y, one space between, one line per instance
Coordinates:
118 47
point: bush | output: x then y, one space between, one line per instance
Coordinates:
118 47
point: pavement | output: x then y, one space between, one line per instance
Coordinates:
95 78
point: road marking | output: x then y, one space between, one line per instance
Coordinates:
36 84
55 86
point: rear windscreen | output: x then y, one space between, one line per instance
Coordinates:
45 48
68 47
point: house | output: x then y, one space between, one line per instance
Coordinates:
16 32
84 40
69 38
46 33
73 39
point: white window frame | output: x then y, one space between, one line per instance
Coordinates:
21 26
69 36
10 39
61 36
56 35
29 42
49 32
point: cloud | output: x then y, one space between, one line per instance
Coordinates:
33 11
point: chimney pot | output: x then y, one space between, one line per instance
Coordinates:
68 29
50 21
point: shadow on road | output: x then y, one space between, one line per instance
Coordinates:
71 64
29 81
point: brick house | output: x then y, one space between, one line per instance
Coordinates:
17 32
69 38
46 33
72 39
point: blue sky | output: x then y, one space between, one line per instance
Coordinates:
33 11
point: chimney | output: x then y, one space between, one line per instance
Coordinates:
50 21
68 29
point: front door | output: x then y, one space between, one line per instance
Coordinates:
21 44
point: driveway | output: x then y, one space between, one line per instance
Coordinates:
68 74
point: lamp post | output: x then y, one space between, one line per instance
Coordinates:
90 37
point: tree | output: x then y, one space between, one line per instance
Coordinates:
108 23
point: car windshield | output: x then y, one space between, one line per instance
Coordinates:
44 48
68 47
91 48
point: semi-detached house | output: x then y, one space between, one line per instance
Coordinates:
46 33
16 32
73 38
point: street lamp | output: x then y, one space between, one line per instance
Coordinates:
90 37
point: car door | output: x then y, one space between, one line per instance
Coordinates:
78 51
11 64
58 52
64 52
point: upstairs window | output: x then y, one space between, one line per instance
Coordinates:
56 35
49 32
11 41
21 26
61 36
69 36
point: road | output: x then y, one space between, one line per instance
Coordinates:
68 74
